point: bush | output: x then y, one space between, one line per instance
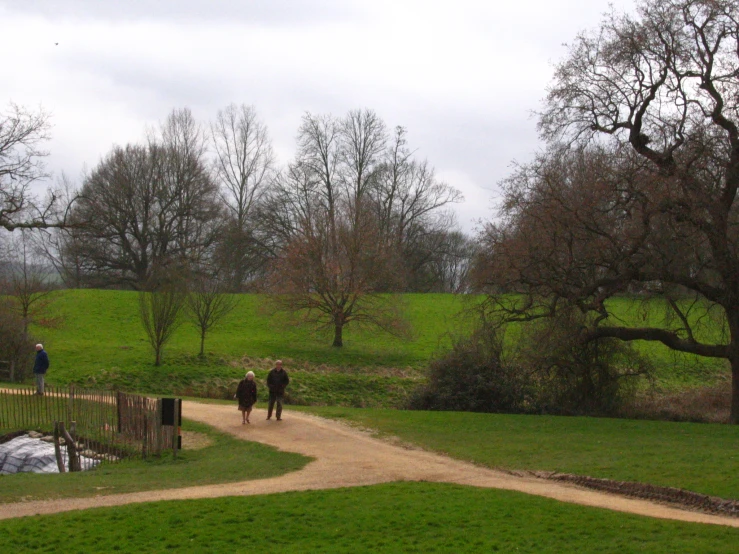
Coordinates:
473 377
550 370
16 346
578 377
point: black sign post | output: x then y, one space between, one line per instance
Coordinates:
172 415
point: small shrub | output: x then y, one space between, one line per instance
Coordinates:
473 377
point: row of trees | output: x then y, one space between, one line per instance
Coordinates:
214 200
353 215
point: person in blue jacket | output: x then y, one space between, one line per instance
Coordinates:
39 368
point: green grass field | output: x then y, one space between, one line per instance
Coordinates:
100 343
102 328
227 460
698 457
398 517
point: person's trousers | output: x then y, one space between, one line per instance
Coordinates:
275 398
39 383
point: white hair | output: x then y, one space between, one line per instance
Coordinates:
250 373
40 346
278 362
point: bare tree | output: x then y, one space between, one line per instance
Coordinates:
244 160
28 283
450 265
333 257
643 193
331 284
244 165
22 133
160 310
147 207
411 208
59 245
208 305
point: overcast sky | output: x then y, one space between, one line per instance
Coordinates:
462 76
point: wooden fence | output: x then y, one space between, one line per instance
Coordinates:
112 424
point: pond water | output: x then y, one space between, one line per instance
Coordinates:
25 454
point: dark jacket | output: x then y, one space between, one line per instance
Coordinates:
42 362
246 393
277 380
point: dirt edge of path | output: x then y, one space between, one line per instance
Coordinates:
684 499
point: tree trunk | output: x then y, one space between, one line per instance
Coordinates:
338 328
734 417
733 320
202 343
158 356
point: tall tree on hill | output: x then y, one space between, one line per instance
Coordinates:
411 208
333 259
638 187
148 207
244 165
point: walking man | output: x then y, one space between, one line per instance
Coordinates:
277 380
39 368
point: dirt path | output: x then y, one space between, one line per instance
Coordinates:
345 457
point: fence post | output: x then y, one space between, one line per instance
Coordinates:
70 403
58 449
145 438
71 447
159 428
118 408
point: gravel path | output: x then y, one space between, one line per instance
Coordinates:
346 457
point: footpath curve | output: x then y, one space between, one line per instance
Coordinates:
347 457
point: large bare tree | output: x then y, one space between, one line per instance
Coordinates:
244 165
637 190
333 260
148 207
412 210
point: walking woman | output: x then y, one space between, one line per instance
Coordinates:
246 392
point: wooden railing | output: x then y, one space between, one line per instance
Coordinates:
112 424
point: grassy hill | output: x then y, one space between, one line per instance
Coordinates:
100 342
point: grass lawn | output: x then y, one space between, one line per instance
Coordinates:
398 517
698 457
101 329
100 343
227 460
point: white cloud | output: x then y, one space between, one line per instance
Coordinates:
463 77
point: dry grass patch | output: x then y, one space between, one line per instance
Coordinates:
192 440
